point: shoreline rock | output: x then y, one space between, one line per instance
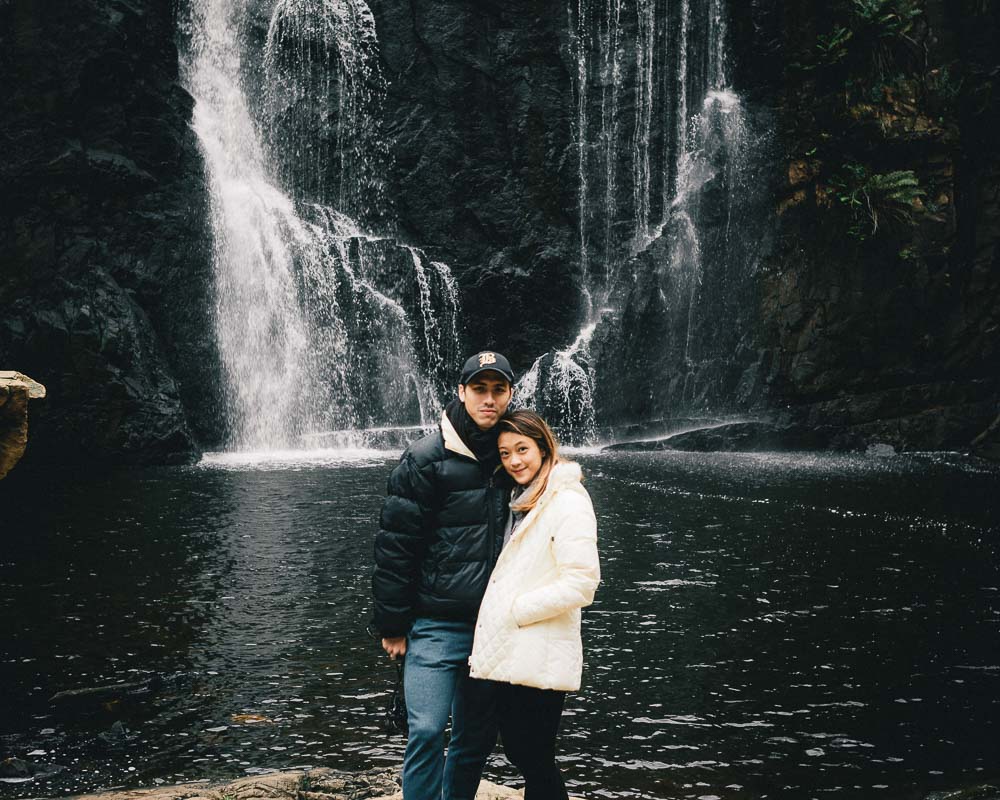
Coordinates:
312 784
15 392
736 436
330 784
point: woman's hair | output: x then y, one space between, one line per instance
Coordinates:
528 423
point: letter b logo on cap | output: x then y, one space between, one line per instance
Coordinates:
487 358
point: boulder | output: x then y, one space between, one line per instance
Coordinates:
15 392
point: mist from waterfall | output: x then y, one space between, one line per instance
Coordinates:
656 126
321 324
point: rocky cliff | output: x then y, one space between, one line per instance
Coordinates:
869 293
879 306
478 113
104 286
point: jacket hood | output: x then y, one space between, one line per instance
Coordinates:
564 475
452 441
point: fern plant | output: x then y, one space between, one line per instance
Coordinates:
872 197
888 17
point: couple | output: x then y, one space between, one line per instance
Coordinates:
487 551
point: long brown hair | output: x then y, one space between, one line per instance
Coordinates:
527 423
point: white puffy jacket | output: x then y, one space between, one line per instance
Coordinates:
528 631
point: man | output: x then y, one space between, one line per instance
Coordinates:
441 530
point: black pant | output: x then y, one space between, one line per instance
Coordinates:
529 722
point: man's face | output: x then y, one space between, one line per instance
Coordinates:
486 396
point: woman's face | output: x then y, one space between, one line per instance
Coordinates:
520 456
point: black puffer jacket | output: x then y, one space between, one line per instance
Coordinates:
440 533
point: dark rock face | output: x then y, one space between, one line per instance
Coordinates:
871 317
104 288
479 119
878 312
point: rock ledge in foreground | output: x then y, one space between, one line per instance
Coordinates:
314 784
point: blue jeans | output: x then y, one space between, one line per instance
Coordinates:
437 684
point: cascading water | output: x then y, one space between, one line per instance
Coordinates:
320 325
322 104
562 382
661 137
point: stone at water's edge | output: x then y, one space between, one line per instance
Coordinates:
987 444
327 784
737 436
15 392
986 791
316 784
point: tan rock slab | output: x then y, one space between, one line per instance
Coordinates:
316 784
15 392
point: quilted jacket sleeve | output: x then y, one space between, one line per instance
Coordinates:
574 546
400 544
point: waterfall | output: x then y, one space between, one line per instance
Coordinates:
320 324
716 134
562 384
321 104
659 128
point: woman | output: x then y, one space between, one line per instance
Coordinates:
528 632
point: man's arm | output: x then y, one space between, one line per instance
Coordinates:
399 549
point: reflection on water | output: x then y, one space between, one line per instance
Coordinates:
779 625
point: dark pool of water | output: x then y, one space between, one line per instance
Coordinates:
782 626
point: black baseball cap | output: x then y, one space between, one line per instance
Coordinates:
486 361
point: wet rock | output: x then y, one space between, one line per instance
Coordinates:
107 286
985 791
104 694
479 112
14 768
737 437
318 784
15 392
116 736
105 294
43 772
855 320
987 444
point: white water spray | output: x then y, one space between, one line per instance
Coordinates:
319 325
690 73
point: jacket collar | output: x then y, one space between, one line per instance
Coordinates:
564 474
452 441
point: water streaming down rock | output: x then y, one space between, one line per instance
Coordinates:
664 145
322 91
561 383
320 324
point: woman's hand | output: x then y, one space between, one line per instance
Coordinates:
395 647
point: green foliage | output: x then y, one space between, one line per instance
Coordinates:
867 37
888 18
944 85
832 46
874 197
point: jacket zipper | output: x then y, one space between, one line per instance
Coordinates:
491 529
493 522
